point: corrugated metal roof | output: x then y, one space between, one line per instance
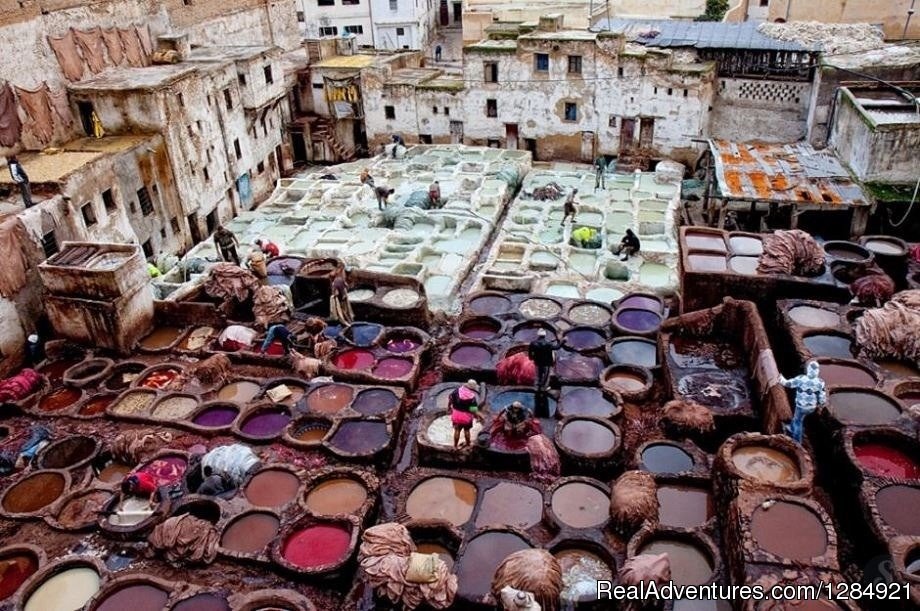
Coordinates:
698 34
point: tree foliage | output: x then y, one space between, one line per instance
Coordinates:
715 10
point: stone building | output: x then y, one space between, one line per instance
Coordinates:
893 15
380 24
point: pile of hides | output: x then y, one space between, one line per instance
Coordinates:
212 371
185 539
137 445
531 570
517 370
550 191
235 461
236 337
645 568
401 218
324 348
231 284
872 290
418 199
586 237
20 386
304 366
270 306
544 459
396 572
687 417
792 252
13 271
634 501
890 332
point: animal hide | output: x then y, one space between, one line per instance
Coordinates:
92 47
531 570
37 106
634 500
114 46
65 49
10 125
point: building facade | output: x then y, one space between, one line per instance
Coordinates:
896 17
380 24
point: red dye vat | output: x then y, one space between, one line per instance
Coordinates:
97 405
316 546
392 368
886 461
14 570
275 349
354 358
159 379
58 400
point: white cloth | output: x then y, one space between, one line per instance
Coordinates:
235 461
238 333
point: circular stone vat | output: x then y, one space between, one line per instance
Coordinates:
583 339
113 472
588 437
216 415
241 392
637 351
317 545
581 570
849 252
746 245
359 437
67 453
134 403
136 596
308 431
509 504
765 464
635 321
272 488
589 314
526 332
899 369
123 375
336 496
885 246
81 509
789 530
834 345
69 587
840 372
34 492
329 398
265 422
354 359
572 367
897 506
704 241
540 308
401 342
441 431
174 407
442 498
812 317
684 506
158 377
641 301
202 602
483 554
629 381
87 372
250 533
664 457
363 334
54 371
465 354
863 406
160 338
96 405
59 399
375 402
583 401
706 262
580 505
912 563
691 564
16 566
393 368
481 327
886 458
489 304
400 298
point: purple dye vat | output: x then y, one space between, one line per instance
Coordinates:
266 423
480 328
579 401
571 366
216 416
401 345
490 304
470 355
354 358
392 368
360 437
638 321
584 339
640 302
375 401
528 332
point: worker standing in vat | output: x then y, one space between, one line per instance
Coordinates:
810 393
569 209
226 244
19 176
339 306
397 142
434 195
600 172
543 354
383 192
629 245
464 409
282 334
269 249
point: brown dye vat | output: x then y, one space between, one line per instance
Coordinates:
844 373
55 371
87 371
67 453
113 473
59 399
766 464
829 344
436 548
250 533
330 398
897 506
863 407
442 498
631 382
690 564
899 369
580 505
82 510
508 504
124 374
581 401
34 492
587 437
789 530
701 262
272 488
310 432
336 496
684 506
96 406
477 563
136 596
812 317
202 602
242 391
160 338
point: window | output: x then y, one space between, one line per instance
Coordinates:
494 144
237 149
389 112
49 243
210 221
143 198
394 5
207 177
541 62
351 2
670 91
400 31
187 2
162 233
228 98
491 108
574 64
174 225
269 78
685 93
571 111
181 99
655 90
317 85
300 16
446 111
264 126
325 2
354 29
89 215
147 247
132 205
424 138
434 109
329 31
261 167
764 2
490 69
612 121
620 72
109 200
242 78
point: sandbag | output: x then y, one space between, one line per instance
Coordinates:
531 570
185 539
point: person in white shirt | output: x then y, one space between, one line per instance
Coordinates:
18 173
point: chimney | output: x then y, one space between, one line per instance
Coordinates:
550 23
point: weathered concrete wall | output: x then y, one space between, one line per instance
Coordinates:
435 111
414 18
875 153
891 14
659 9
772 111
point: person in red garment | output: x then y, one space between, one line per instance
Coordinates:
269 249
464 409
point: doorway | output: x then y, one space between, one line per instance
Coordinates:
299 148
646 132
456 132
587 146
511 136
531 145
627 133
444 13
458 13
86 116
194 228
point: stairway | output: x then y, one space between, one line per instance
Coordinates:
324 129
